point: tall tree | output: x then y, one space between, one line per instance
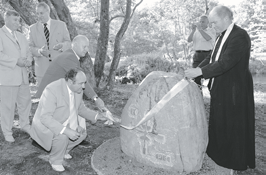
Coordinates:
2 21
102 43
64 15
207 8
22 7
118 38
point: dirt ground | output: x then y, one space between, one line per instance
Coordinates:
21 157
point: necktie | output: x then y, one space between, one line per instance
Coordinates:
217 46
73 120
47 34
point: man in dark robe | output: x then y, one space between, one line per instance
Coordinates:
232 117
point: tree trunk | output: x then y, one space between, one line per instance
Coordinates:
87 66
21 9
53 13
167 51
102 43
2 21
64 15
117 45
207 8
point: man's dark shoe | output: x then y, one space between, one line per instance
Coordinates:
85 144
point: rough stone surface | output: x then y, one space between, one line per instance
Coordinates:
176 137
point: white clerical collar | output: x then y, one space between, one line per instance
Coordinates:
228 31
76 54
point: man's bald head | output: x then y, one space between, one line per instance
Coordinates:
220 18
80 45
222 12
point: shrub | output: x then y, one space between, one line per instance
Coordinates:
256 66
139 66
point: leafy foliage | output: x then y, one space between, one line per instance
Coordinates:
139 66
164 26
251 16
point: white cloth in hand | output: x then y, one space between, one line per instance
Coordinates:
111 118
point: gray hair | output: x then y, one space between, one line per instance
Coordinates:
43 5
11 13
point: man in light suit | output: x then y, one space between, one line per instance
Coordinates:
47 39
232 114
63 63
14 84
55 125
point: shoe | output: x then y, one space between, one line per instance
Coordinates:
9 139
58 168
84 144
68 156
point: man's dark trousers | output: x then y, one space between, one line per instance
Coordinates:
198 57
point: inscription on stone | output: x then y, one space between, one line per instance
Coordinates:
176 137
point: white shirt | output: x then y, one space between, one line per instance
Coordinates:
10 31
200 43
48 24
76 54
71 104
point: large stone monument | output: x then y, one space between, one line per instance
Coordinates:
175 137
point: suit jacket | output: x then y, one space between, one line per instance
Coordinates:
232 117
10 51
53 110
58 68
58 34
234 58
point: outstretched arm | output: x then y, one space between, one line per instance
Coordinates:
90 93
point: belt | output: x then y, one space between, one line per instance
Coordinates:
199 51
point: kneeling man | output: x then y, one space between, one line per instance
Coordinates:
55 125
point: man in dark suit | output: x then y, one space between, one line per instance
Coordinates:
56 123
66 61
232 117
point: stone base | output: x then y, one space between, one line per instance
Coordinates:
108 159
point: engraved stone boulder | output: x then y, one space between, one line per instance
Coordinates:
176 136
